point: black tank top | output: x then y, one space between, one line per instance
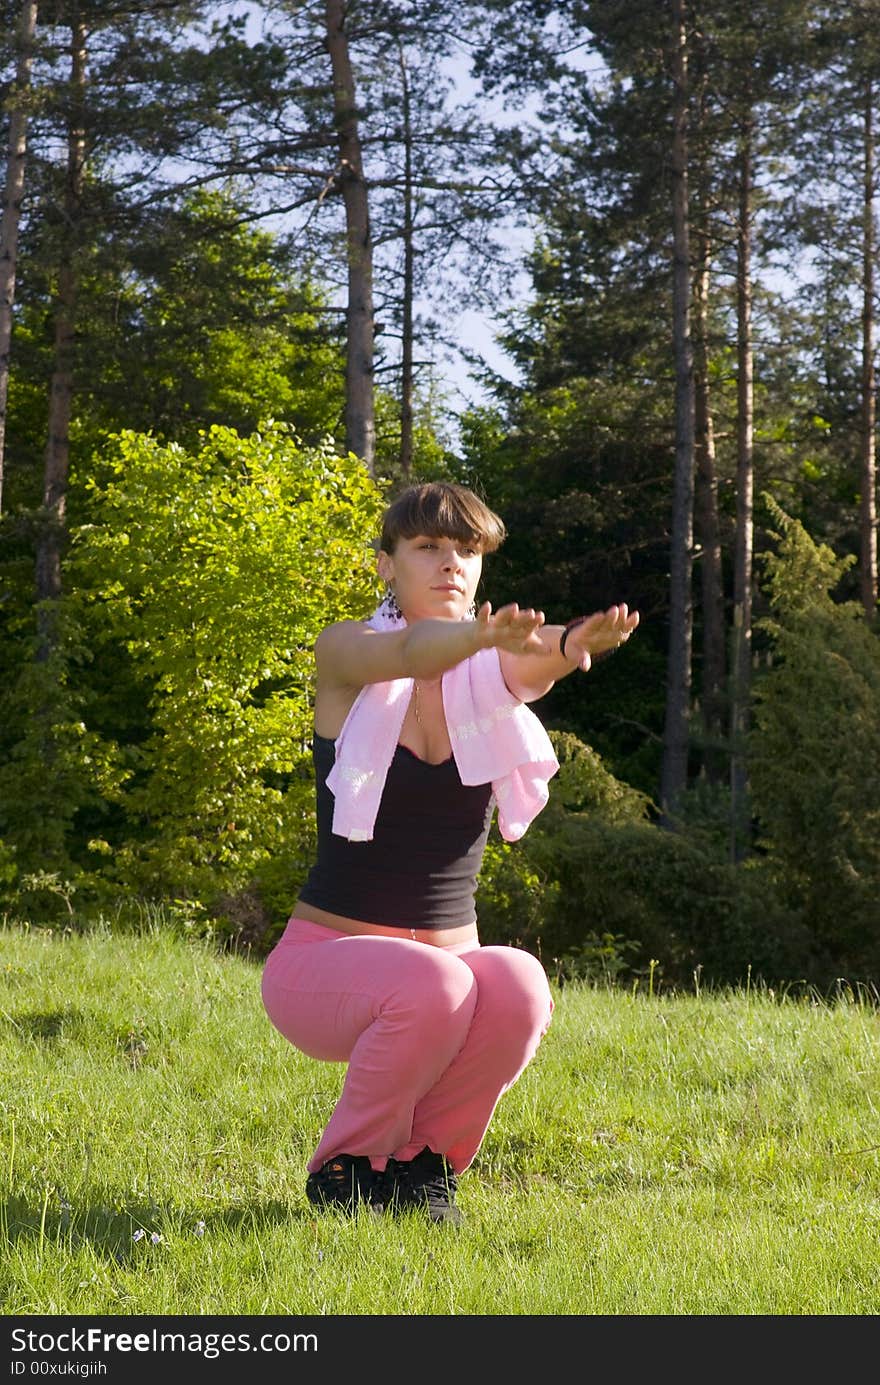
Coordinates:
420 870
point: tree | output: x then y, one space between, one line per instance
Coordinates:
88 62
12 198
706 488
674 774
440 186
611 276
191 563
214 322
756 68
57 455
836 210
612 137
360 428
868 488
390 179
209 321
815 748
103 85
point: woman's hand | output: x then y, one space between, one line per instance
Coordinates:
511 629
599 634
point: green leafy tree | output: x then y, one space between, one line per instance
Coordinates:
103 85
814 755
201 320
211 322
222 326
216 569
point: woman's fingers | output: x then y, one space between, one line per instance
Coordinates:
621 624
603 630
619 620
513 617
517 629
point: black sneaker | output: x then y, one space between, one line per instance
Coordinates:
347 1181
428 1181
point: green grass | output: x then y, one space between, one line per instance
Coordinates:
663 1154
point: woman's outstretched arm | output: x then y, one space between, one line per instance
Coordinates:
352 654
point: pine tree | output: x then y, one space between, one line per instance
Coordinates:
13 192
815 748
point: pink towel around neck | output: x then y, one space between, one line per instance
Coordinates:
495 740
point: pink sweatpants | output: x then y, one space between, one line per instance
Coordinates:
432 1036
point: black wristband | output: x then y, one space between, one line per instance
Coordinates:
572 624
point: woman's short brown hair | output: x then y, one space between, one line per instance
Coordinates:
441 510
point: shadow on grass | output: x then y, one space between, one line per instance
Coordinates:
88 1029
51 1024
121 1232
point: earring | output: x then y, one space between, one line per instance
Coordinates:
472 611
390 603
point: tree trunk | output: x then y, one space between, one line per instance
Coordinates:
712 682
406 366
709 537
12 197
360 428
745 481
868 508
675 741
57 457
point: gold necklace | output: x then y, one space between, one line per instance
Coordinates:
416 700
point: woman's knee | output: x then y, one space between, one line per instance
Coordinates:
514 985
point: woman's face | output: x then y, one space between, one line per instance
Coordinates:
432 578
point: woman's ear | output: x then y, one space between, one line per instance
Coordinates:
385 565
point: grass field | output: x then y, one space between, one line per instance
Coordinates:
664 1154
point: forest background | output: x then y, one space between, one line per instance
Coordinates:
235 247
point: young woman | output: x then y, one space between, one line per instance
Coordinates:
421 734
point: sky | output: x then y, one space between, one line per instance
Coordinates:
475 329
